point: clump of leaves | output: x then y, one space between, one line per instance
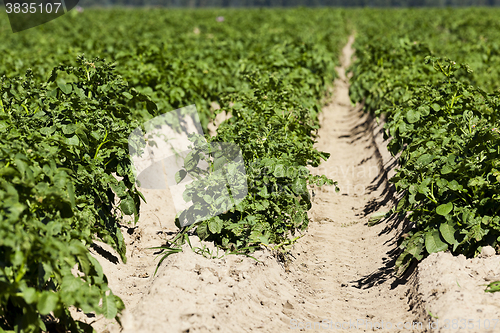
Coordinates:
446 134
60 143
274 131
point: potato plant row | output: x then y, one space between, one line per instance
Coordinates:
65 119
442 118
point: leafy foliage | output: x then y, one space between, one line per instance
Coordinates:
273 131
444 131
62 141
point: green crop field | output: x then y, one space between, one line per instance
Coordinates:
72 91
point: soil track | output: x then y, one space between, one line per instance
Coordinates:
340 273
348 265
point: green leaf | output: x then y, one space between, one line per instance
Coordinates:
454 185
279 171
237 106
448 233
402 263
412 116
415 247
69 129
47 302
187 196
109 308
191 160
299 186
120 189
493 287
180 175
263 192
202 231
96 266
48 130
264 239
215 225
446 169
208 199
232 168
71 284
376 218
433 242
219 162
127 205
424 110
444 209
425 159
65 87
30 295
73 141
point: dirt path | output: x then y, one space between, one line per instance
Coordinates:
340 273
345 263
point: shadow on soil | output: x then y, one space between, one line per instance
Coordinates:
388 195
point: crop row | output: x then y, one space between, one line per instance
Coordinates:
442 126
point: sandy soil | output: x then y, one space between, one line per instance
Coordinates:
339 276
